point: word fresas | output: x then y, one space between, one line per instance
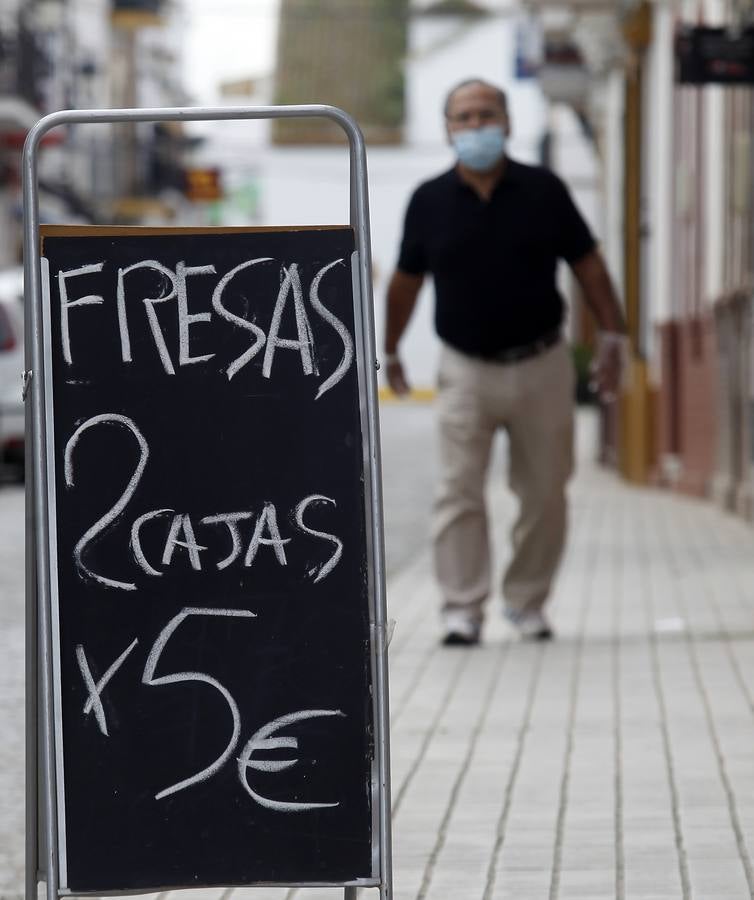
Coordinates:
237 283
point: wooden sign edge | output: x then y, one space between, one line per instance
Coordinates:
146 231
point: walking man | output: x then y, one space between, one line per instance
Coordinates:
490 232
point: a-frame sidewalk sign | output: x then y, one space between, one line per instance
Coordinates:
206 673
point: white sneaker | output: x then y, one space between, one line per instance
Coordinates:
460 630
531 626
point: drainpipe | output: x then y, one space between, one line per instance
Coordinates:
636 413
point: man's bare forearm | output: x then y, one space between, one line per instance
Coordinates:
599 293
402 294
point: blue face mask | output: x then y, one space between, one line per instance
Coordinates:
480 148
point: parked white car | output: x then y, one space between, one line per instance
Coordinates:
11 371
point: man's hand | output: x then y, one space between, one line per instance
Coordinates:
395 376
609 363
611 358
402 293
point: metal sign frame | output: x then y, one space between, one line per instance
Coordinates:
42 861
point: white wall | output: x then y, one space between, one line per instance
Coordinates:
443 50
659 174
575 160
714 174
612 175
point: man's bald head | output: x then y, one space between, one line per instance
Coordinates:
499 94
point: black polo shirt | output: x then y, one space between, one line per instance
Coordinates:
494 262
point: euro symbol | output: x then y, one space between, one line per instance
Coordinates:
262 740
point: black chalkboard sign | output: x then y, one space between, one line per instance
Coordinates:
211 599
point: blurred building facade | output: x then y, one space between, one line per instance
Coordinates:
668 145
706 409
58 54
652 130
686 416
672 129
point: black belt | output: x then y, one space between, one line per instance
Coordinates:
516 354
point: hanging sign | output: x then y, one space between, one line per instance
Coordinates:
715 56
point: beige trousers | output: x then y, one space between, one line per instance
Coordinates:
533 401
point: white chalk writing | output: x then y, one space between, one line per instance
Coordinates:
231 520
94 698
149 679
268 518
291 283
136 539
117 509
274 323
259 336
181 533
66 304
324 570
182 523
345 364
174 285
261 741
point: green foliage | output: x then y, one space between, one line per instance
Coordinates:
582 360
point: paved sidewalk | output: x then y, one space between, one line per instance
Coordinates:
615 762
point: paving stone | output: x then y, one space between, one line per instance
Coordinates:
586 883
